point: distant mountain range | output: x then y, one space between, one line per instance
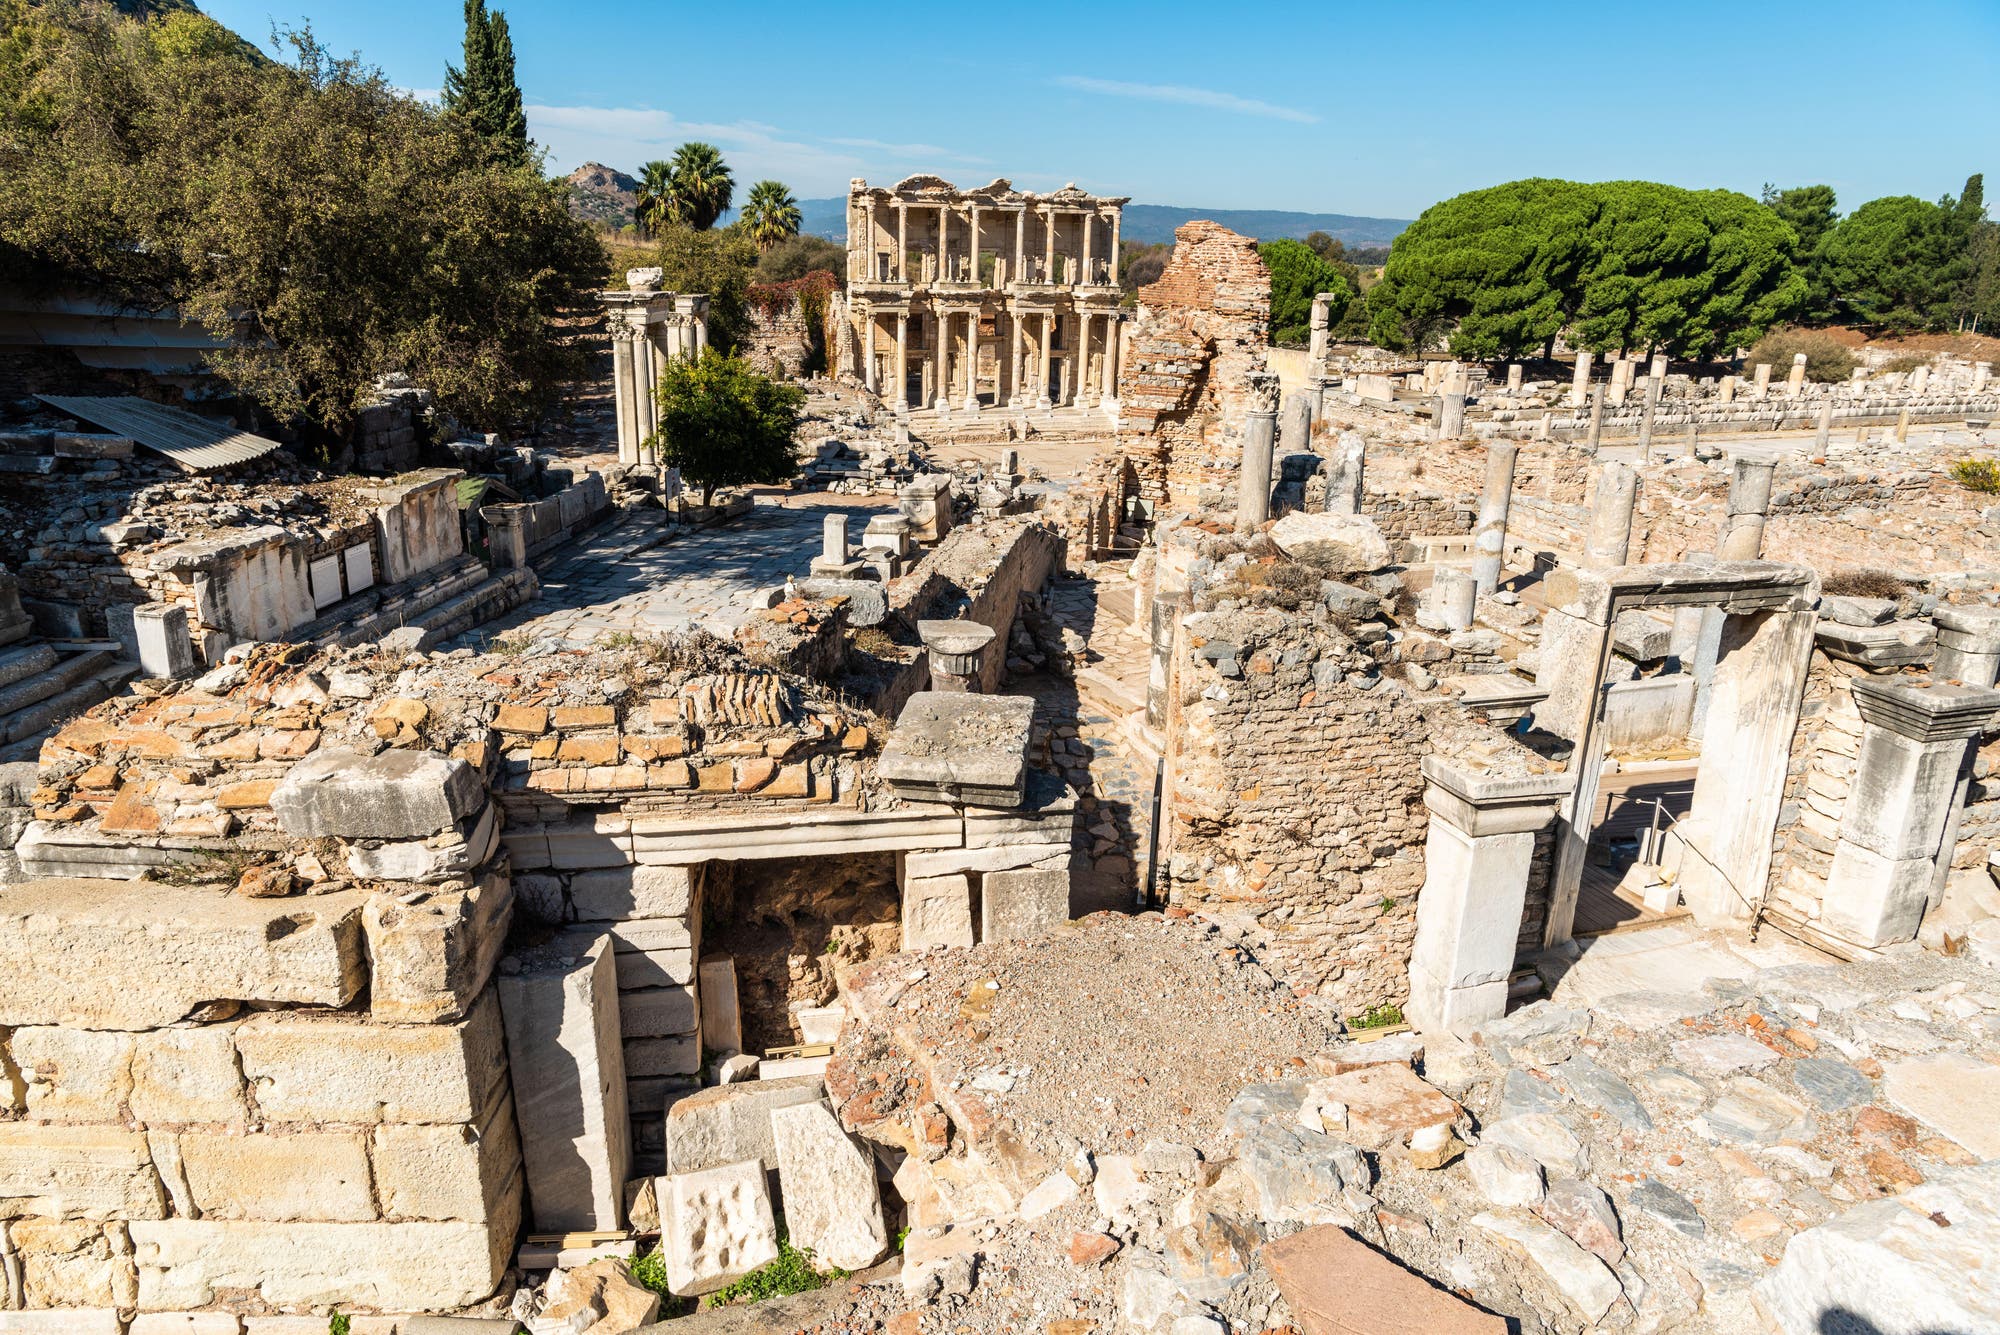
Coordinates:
606 196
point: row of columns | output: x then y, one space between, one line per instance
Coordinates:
1081 387
899 265
643 341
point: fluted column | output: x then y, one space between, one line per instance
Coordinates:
943 238
941 360
902 264
1089 221
1042 364
1014 374
868 352
972 357
1020 246
902 397
624 374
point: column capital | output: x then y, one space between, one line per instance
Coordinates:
1922 710
1479 803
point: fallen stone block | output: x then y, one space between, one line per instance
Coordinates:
732 1123
717 1226
431 953
600 1296
1952 1092
453 855
409 1267
1580 1277
93 955
960 748
1022 905
395 794
568 1071
1918 1262
327 1068
833 1205
1379 1107
1336 1284
1342 544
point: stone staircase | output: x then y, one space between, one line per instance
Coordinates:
42 684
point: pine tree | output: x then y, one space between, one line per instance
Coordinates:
484 92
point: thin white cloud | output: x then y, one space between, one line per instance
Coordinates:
431 95
926 151
1193 97
626 137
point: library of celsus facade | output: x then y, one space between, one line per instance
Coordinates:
971 299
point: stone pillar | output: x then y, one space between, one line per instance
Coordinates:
1013 382
902 394
647 358
1920 378
1749 504
1049 248
1596 435
1968 644
1824 431
506 539
1609 540
1344 474
1579 386
1260 429
1795 379
1451 412
1113 327
1652 406
1760 383
1115 219
1089 226
1725 389
1042 399
1513 377
624 375
1490 541
1477 852
941 358
1295 429
1454 598
1658 370
1903 424
165 647
957 652
902 242
1160 670
1316 346
943 249
1981 373
833 541
972 359
868 352
1915 741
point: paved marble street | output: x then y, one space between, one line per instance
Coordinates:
642 574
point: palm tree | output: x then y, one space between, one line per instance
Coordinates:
656 188
701 187
771 214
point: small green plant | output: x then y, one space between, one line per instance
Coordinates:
1378 1017
1386 905
902 1236
792 1272
1977 474
340 1325
650 1271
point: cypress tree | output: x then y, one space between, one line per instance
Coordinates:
484 92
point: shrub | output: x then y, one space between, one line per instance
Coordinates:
1827 358
1378 1017
1905 362
792 1272
1861 582
1977 474
650 1271
724 425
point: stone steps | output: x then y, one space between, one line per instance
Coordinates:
490 598
75 685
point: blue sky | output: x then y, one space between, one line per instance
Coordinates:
1379 109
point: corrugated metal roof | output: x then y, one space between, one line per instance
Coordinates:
190 440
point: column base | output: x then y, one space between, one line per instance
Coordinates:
971 404
1435 1007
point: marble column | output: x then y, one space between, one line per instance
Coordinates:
1596 435
1579 385
1495 497
902 394
1014 378
1916 739
868 351
1609 539
1089 226
1295 427
1981 373
1742 536
1160 668
1115 217
1260 430
944 246
1646 413
1760 381
1344 474
1042 399
1725 389
1513 377
972 361
1318 339
1824 431
1477 854
625 375
1795 380
1451 412
1019 270
902 243
972 243
1049 251
1113 328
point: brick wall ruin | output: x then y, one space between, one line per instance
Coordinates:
1184 389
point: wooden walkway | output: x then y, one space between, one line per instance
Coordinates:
1625 804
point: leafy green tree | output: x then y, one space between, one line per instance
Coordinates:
143 168
484 92
797 256
720 262
1496 270
1297 276
1973 237
1895 262
724 425
1809 210
699 186
770 214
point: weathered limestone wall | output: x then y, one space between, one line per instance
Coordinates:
978 573
1184 389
